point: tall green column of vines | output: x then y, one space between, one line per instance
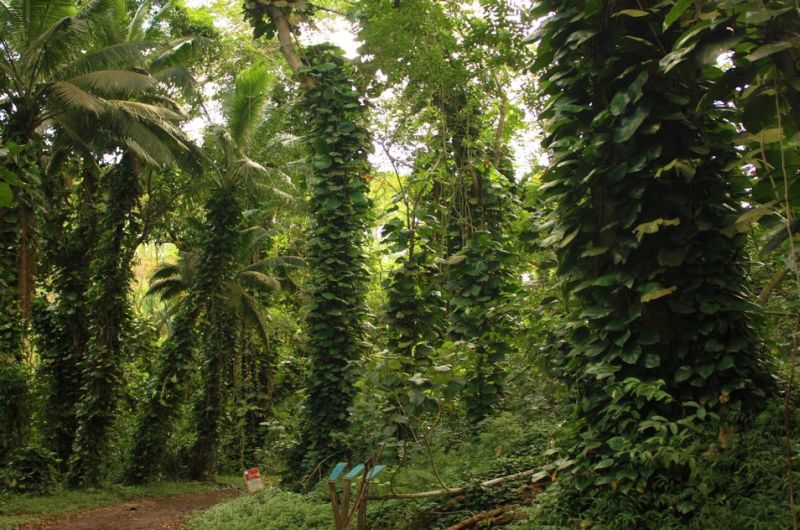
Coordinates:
62 326
642 179
479 279
221 237
339 143
14 392
218 336
110 314
414 308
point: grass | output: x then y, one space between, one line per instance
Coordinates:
21 509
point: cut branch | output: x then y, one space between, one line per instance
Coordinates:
494 517
456 491
284 31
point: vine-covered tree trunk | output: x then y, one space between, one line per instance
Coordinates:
223 215
642 177
479 279
219 343
62 327
339 143
109 310
16 281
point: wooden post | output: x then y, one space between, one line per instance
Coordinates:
345 501
337 519
362 511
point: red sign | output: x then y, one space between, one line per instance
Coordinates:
253 479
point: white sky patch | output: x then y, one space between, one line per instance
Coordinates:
525 145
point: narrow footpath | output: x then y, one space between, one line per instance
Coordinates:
156 513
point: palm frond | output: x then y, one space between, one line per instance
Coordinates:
179 53
75 99
35 17
245 106
94 10
278 195
165 271
5 9
252 314
177 77
112 57
53 47
163 11
114 83
275 262
136 25
256 236
148 144
247 169
168 288
147 112
259 280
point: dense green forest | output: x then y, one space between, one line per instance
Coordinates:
538 258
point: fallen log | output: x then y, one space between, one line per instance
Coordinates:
456 491
495 517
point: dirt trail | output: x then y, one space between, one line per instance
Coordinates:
160 513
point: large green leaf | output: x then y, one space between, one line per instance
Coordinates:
630 124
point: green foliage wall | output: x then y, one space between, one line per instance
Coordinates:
644 178
339 142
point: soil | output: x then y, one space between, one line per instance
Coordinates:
158 513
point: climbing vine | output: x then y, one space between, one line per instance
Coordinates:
339 142
62 326
218 334
479 279
110 313
644 177
414 308
18 171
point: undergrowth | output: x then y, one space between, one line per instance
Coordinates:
740 486
269 509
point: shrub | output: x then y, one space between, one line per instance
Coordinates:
31 470
269 509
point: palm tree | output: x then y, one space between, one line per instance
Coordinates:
66 68
214 289
70 73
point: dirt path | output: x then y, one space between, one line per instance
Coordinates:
160 513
